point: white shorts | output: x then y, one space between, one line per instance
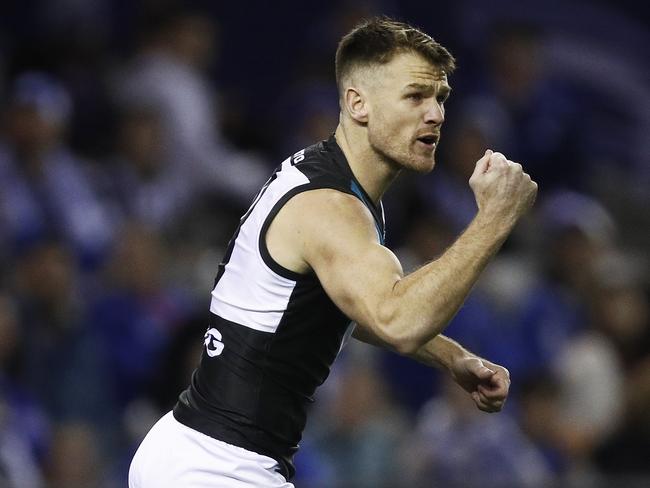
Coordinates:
174 456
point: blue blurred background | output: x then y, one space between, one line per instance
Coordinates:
135 133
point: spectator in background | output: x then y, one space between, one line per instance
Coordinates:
75 457
590 400
170 74
457 447
137 313
621 311
311 107
536 115
43 186
145 182
23 429
62 360
572 394
575 231
539 408
571 407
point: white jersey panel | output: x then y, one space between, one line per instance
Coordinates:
249 292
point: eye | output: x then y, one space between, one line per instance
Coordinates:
441 99
416 97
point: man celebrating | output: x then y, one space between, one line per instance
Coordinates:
307 266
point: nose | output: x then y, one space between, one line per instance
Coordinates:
435 114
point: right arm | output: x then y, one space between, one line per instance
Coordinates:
365 279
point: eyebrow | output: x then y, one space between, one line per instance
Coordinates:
444 89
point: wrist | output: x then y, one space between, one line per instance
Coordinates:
449 354
458 359
493 223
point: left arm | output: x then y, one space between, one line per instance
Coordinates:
486 382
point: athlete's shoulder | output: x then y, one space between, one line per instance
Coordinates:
321 157
314 153
328 208
326 167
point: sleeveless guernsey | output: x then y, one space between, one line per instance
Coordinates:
273 333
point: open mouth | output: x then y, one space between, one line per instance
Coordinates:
429 140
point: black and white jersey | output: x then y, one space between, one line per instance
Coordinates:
274 333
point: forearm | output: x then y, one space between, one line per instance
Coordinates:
424 302
441 352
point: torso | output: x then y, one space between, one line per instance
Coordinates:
274 332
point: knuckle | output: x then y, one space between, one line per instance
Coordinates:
499 158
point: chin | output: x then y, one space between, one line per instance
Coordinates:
422 165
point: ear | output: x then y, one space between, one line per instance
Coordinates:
355 103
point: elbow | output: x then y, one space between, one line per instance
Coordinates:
403 330
393 332
406 346
404 343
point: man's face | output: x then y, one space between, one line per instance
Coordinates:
406 110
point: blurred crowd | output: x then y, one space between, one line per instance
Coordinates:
134 134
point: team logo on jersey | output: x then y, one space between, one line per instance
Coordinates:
212 342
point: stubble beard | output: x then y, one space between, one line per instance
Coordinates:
401 155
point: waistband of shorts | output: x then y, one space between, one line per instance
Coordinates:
239 435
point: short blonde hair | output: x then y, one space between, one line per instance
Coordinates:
377 40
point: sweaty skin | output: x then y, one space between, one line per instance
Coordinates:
391 116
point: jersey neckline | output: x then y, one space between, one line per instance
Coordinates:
356 187
343 161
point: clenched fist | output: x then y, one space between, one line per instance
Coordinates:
502 189
486 382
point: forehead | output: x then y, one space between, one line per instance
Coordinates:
411 68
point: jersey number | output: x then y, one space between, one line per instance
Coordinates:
299 156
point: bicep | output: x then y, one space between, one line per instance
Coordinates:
357 280
342 248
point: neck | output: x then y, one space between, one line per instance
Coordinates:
371 169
